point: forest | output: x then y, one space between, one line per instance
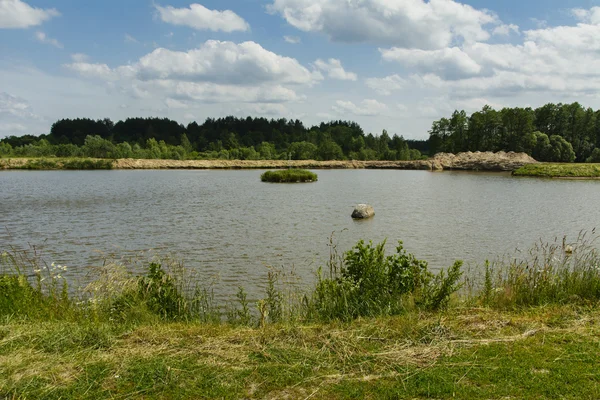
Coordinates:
223 138
553 132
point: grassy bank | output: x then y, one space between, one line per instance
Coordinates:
56 164
557 170
469 353
375 325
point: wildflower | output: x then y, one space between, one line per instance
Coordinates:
4 254
37 271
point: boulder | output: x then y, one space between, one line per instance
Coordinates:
363 211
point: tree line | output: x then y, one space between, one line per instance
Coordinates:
553 132
223 138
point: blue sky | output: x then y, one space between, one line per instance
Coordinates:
387 64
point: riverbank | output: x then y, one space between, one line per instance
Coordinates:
557 170
467 353
529 329
463 161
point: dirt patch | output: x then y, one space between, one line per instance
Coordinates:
487 161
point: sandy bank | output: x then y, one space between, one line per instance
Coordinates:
462 161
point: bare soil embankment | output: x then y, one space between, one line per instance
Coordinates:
463 161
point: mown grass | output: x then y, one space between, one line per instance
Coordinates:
558 170
528 328
469 353
60 164
289 176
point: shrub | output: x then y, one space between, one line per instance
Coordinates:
369 283
289 176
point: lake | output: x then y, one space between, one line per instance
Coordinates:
229 226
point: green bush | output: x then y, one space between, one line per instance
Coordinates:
289 176
369 283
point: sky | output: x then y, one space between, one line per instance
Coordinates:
386 64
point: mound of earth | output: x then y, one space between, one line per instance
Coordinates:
479 161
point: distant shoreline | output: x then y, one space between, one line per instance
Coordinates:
462 161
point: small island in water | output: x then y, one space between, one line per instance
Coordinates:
291 175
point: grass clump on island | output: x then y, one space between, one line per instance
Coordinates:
292 175
559 170
375 325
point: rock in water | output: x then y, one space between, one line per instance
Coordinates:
363 211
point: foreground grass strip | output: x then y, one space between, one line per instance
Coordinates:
557 170
289 176
544 352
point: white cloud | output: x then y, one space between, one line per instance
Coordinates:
368 108
404 23
223 62
11 128
80 57
14 106
130 39
560 61
450 63
16 14
505 29
334 69
387 85
216 72
271 110
201 18
292 39
591 16
43 38
15 115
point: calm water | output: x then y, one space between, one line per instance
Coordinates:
227 224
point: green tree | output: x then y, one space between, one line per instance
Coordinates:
303 151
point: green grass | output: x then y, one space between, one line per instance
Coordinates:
469 353
289 176
558 170
61 164
529 328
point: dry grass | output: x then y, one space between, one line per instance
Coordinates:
286 361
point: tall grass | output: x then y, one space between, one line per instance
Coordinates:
364 281
557 272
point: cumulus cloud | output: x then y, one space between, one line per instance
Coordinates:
387 85
246 63
15 14
333 68
216 72
367 108
43 38
450 63
591 16
506 29
403 23
201 18
562 60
